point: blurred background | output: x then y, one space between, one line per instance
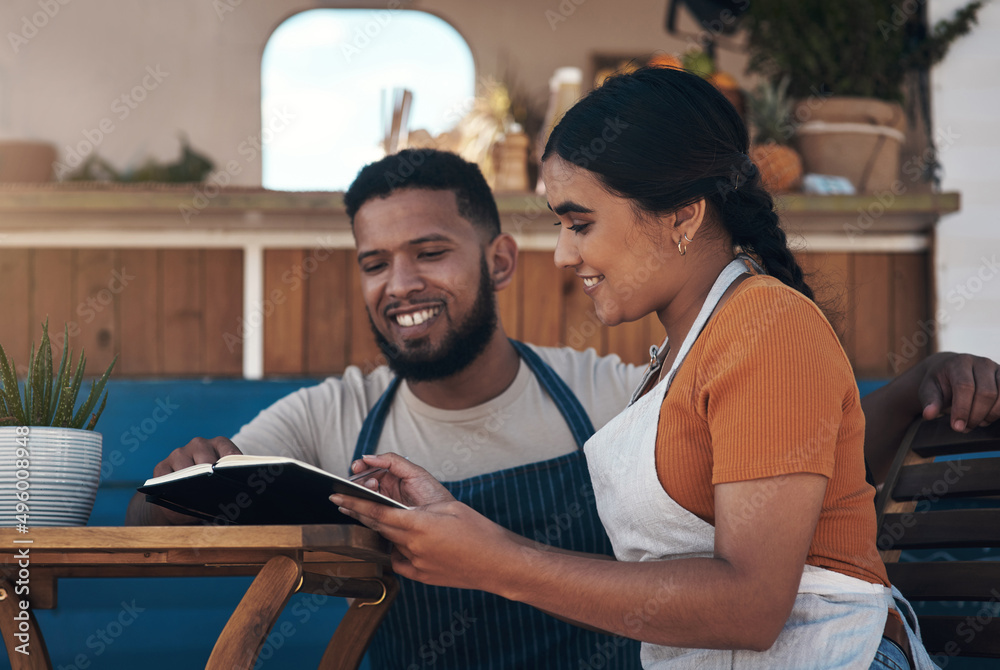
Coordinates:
171 178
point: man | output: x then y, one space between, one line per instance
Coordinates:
502 424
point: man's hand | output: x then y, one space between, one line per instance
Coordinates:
964 385
198 450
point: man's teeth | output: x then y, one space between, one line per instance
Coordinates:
591 281
416 318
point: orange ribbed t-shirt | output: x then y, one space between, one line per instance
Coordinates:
767 390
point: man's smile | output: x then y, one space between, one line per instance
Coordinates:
413 320
416 318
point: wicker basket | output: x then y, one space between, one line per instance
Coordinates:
857 138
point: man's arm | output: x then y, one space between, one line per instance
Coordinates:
198 450
294 426
962 384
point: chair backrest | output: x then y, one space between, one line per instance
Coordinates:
940 507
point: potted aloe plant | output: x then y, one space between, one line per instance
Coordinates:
849 63
50 455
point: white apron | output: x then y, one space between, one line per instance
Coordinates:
836 622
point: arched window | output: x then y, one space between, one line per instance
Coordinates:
326 77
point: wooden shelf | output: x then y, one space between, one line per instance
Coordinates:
231 280
67 206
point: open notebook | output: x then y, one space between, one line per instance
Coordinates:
257 490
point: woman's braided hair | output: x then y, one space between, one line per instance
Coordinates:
666 138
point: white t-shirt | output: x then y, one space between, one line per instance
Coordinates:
320 424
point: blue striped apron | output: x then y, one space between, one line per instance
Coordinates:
551 502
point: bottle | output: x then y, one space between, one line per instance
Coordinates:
564 91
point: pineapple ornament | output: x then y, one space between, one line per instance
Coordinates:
780 165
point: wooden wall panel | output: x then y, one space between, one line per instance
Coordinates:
282 316
631 341
872 315
223 311
510 301
543 300
15 296
656 334
327 336
52 298
913 328
363 351
98 285
830 276
140 314
181 311
183 289
581 329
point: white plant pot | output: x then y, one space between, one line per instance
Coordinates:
58 476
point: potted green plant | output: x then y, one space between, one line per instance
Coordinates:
50 455
847 62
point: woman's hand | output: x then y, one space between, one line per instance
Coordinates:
403 481
441 542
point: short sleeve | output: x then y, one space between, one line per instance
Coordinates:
774 385
318 424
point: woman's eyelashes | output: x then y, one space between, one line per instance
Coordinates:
576 227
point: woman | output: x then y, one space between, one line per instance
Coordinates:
733 487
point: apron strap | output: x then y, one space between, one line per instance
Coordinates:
728 275
564 398
371 429
566 401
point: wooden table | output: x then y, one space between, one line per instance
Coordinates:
348 561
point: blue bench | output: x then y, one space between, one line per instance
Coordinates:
121 623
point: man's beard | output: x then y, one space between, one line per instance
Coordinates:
416 361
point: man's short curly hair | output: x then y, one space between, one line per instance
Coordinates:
431 170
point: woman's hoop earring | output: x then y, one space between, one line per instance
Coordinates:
683 250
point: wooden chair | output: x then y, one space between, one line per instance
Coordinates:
945 516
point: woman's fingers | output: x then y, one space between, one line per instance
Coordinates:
381 518
394 463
